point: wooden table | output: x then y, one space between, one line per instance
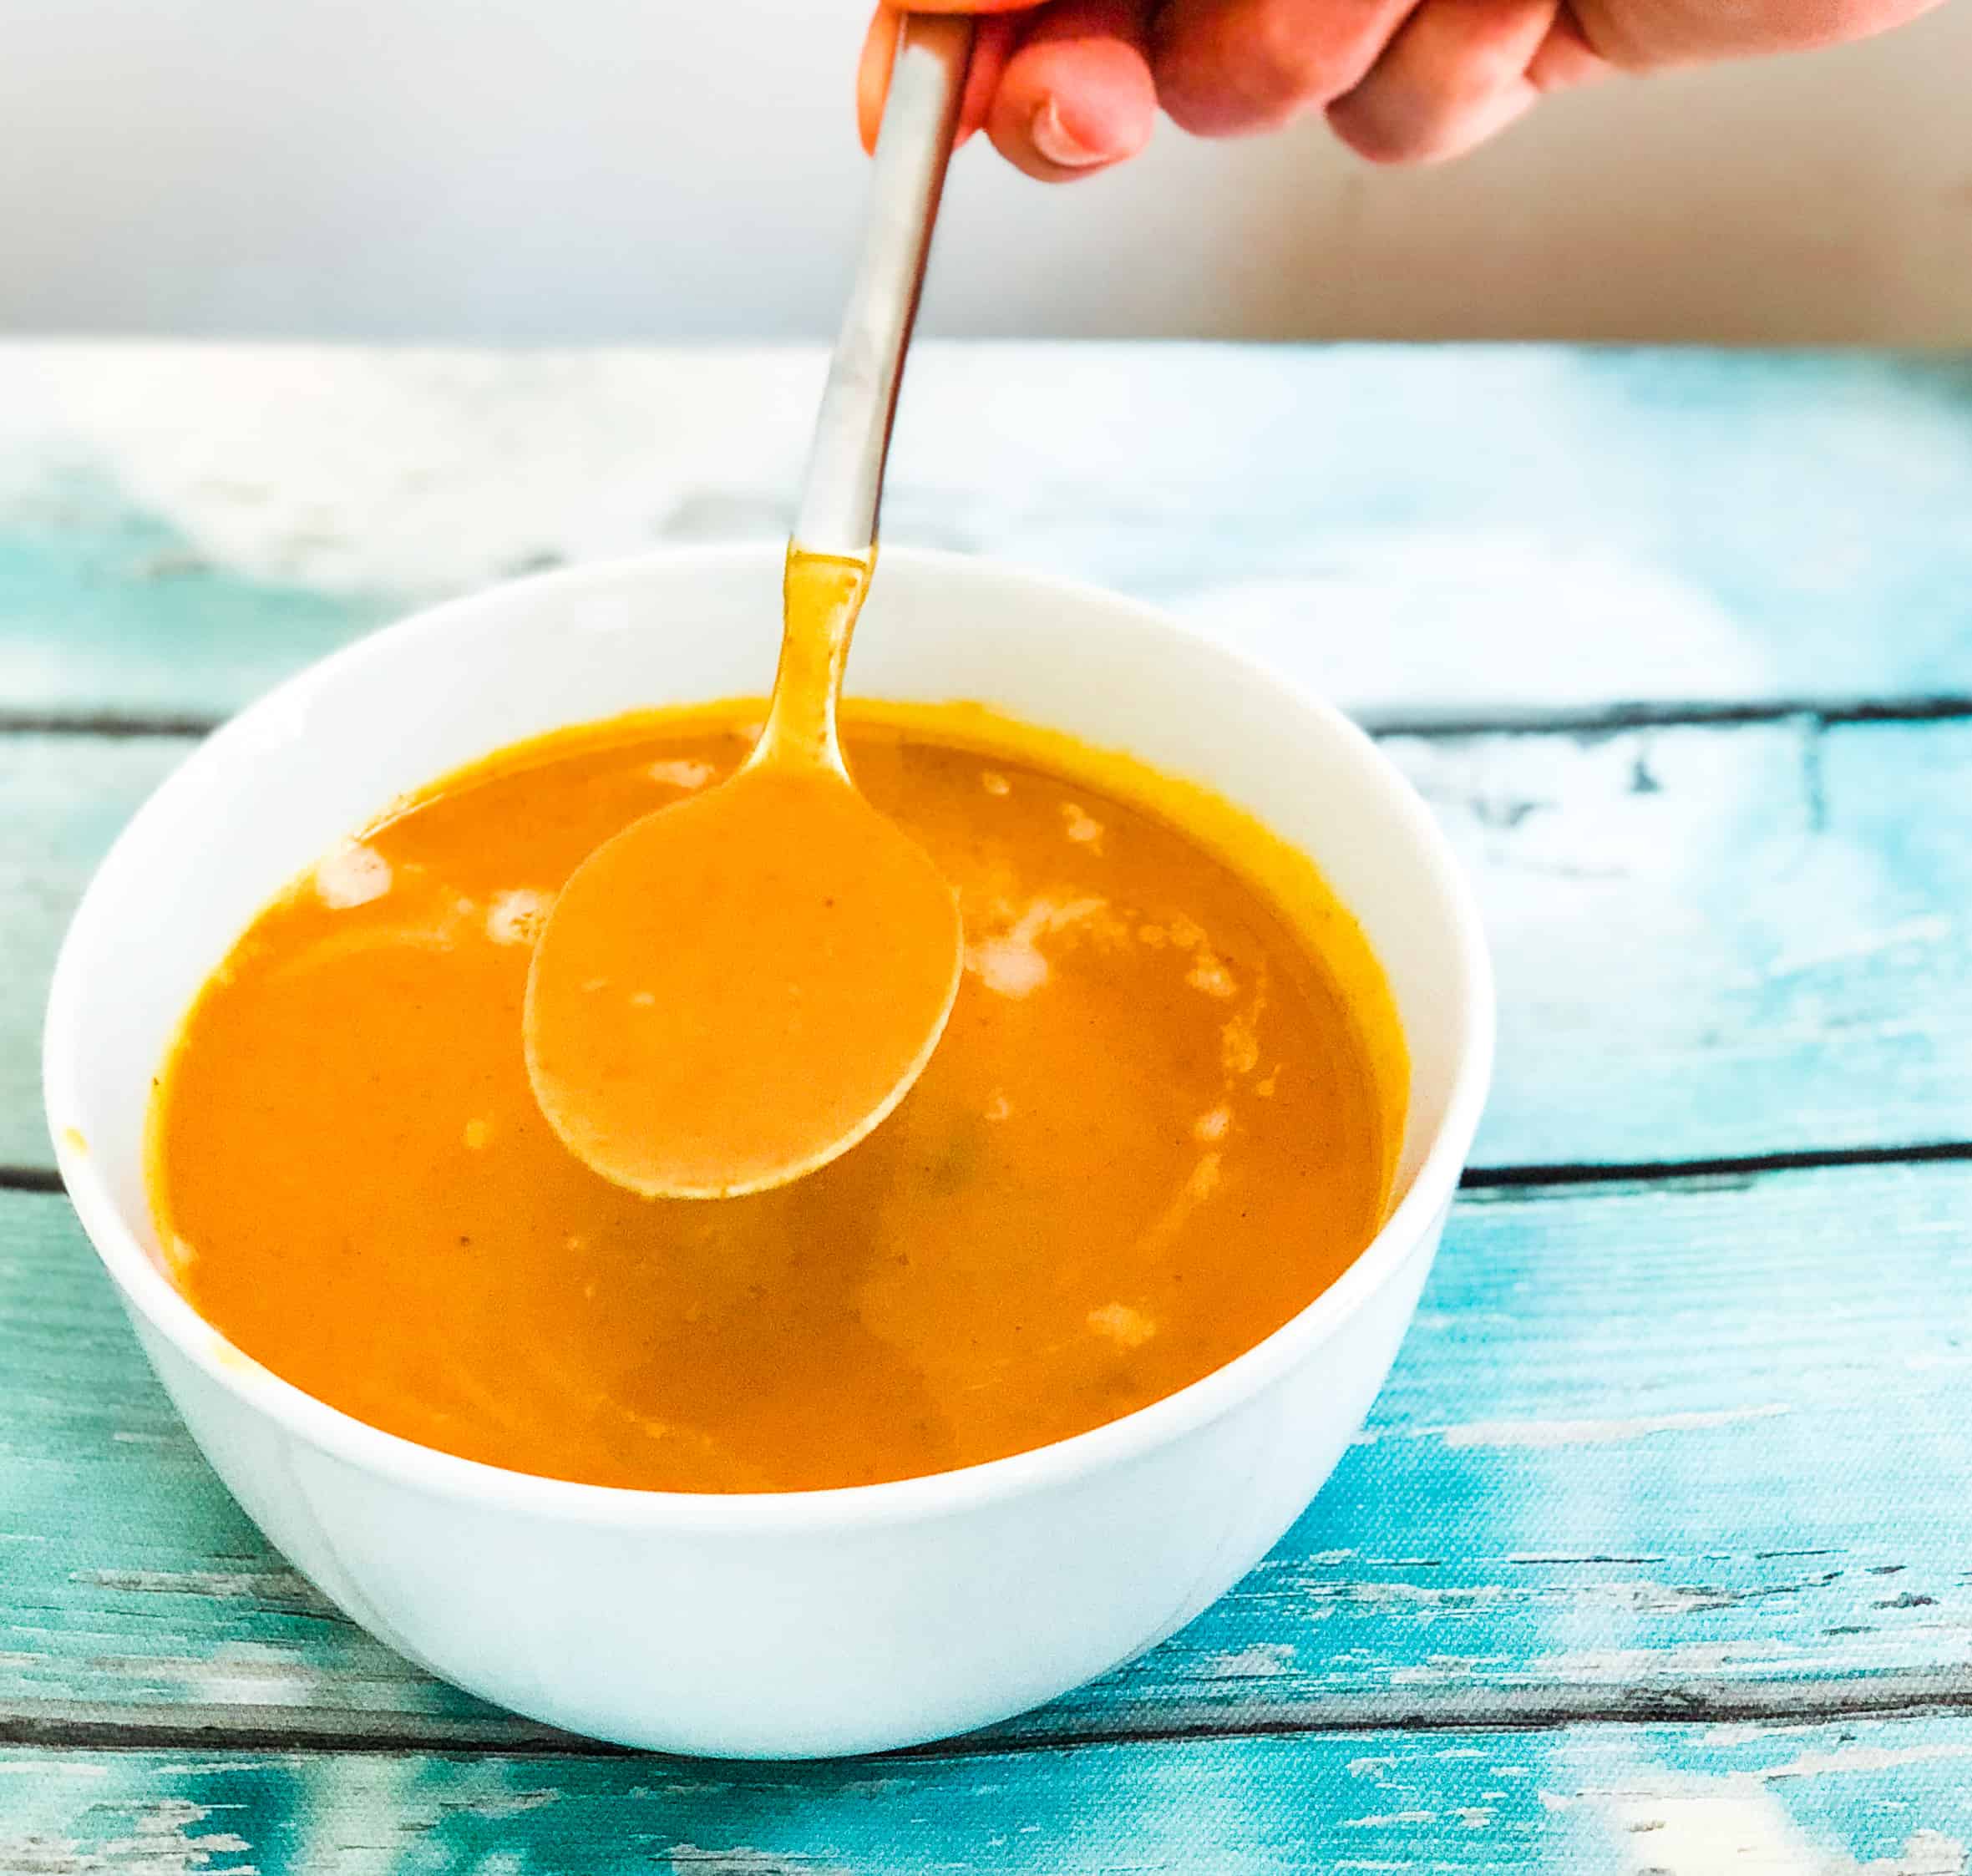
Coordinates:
1657 1551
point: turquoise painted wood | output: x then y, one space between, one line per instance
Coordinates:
1658 1450
65 799
88 583
1699 1445
1448 531
1887 1798
1761 911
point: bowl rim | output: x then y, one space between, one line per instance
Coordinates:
371 1449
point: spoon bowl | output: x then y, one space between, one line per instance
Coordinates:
700 1029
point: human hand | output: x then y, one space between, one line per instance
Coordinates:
1068 88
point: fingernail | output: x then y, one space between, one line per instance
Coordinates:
1052 139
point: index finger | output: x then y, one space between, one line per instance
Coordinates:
1226 67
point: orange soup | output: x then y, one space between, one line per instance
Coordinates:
1163 1119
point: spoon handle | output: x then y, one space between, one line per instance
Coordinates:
844 487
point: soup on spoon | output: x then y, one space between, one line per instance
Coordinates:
738 988
735 990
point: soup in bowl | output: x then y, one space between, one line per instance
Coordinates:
1001 1398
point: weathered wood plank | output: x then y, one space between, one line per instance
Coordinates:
1719 944
1455 531
1696 1445
1889 1798
1741 929
64 800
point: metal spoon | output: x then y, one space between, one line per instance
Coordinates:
737 989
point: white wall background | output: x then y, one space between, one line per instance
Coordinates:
576 170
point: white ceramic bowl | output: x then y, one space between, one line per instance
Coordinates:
799 1624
